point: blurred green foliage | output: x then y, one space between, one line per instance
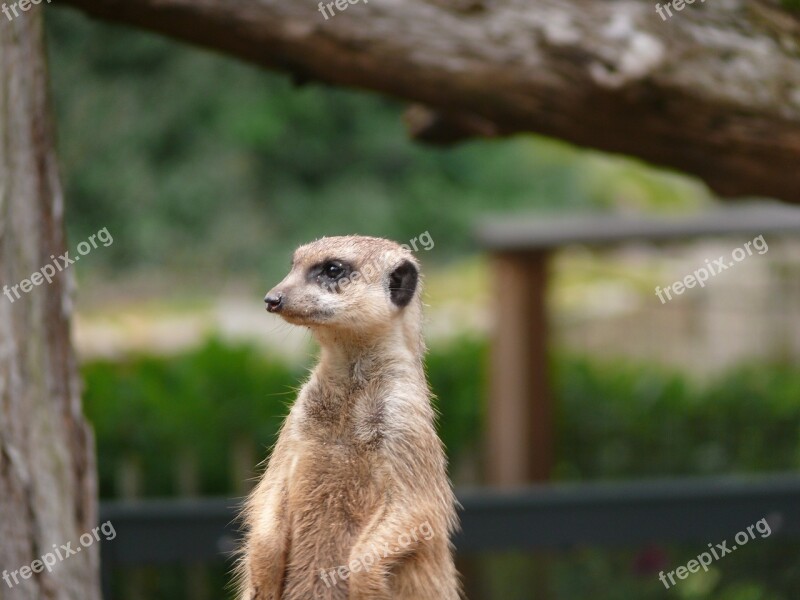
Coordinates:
625 421
615 420
151 410
200 403
199 163
765 569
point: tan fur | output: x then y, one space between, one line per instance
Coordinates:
358 463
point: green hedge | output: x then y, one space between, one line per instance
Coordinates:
615 420
150 410
619 420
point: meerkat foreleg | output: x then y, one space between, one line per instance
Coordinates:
383 545
262 572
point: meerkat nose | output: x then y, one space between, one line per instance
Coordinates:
274 301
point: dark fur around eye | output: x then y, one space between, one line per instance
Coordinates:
329 273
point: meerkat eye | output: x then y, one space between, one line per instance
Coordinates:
331 274
332 270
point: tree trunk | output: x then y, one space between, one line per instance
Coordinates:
47 471
713 90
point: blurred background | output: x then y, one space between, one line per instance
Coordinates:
208 172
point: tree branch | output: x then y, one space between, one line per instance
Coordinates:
713 90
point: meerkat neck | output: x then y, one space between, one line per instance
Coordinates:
349 355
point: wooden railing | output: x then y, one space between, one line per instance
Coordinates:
157 532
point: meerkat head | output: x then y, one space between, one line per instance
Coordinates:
350 284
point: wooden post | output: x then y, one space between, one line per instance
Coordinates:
520 439
129 484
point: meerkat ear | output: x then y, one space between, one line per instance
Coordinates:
403 283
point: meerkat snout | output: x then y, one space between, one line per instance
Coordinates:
274 301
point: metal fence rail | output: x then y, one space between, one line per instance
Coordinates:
534 518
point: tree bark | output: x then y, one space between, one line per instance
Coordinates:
713 90
47 471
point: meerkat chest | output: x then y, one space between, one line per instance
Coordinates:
333 492
345 421
335 476
336 473
338 465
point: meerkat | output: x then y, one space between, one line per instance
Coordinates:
355 502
